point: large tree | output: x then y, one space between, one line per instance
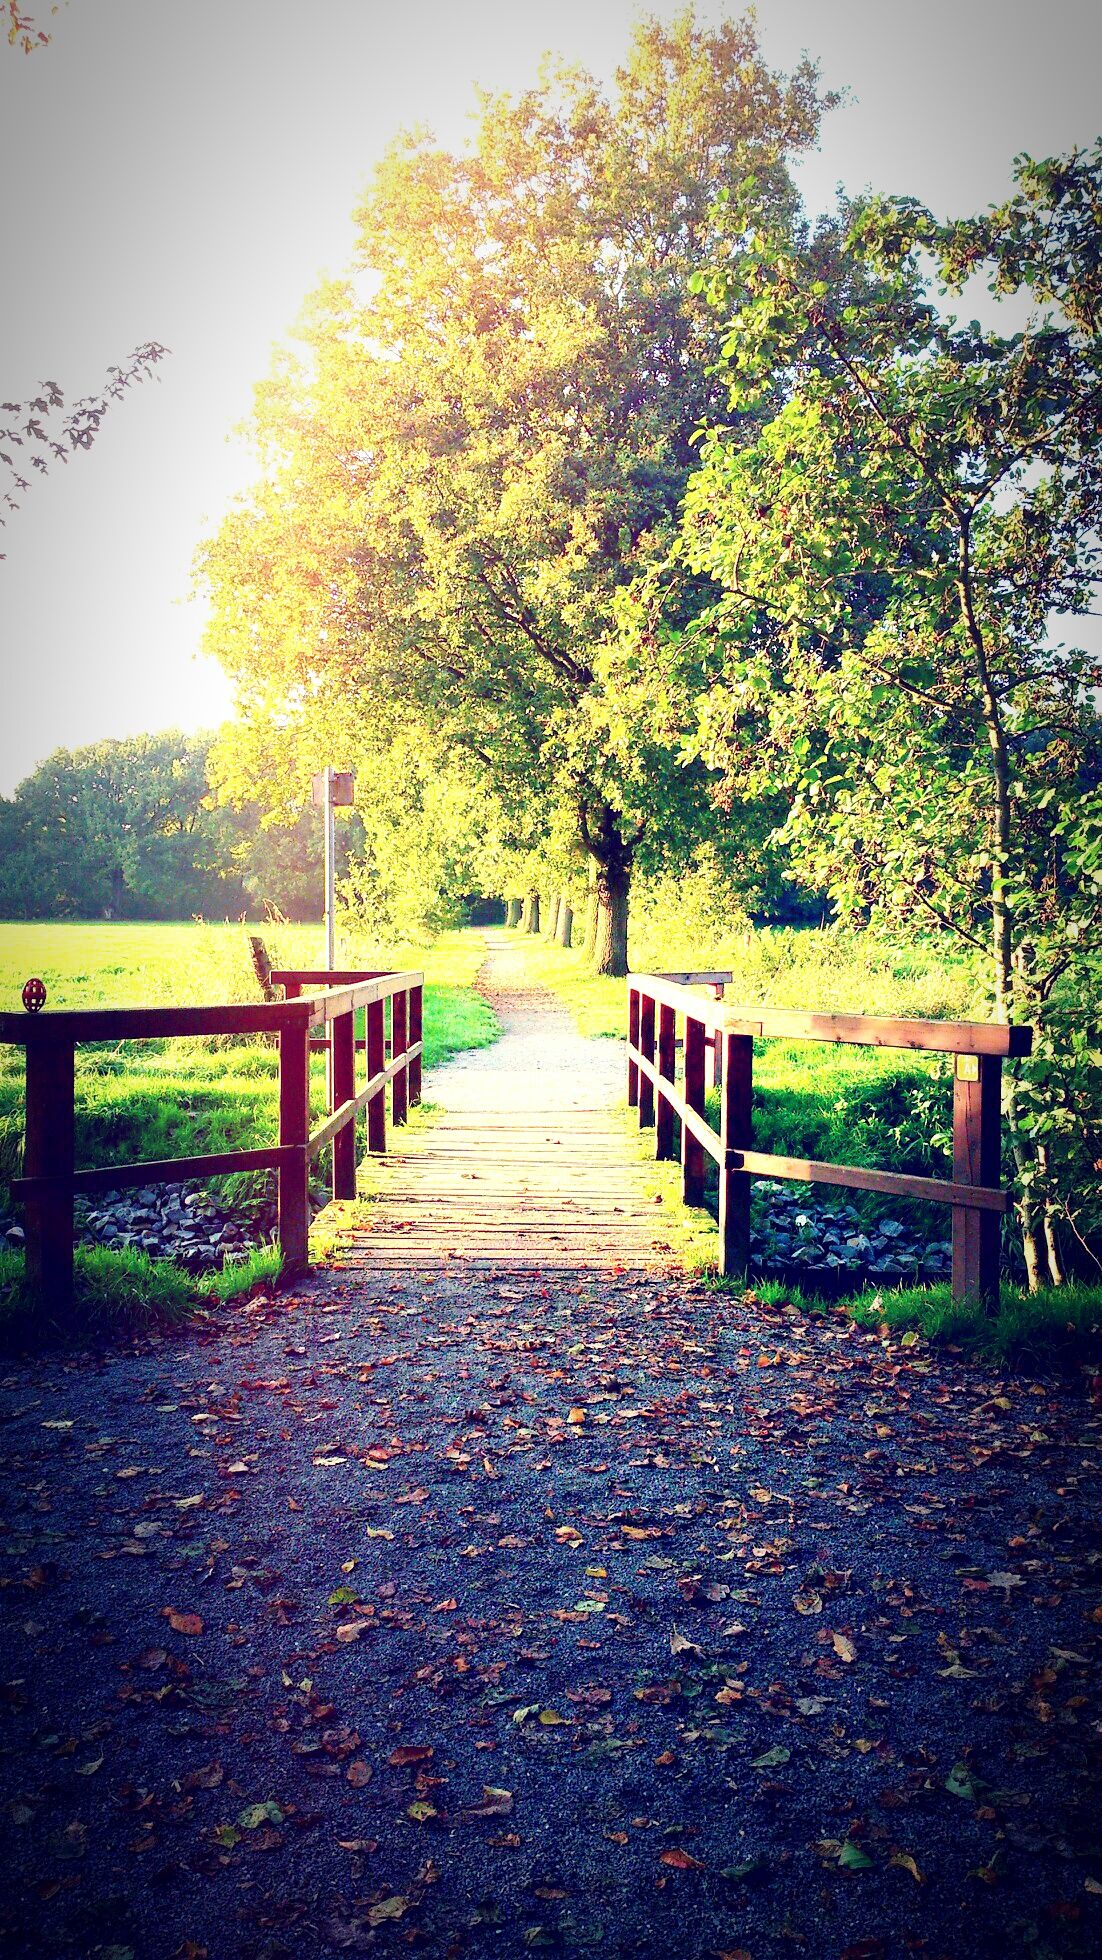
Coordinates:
897 557
490 433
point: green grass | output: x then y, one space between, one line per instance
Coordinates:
123 1292
1061 1324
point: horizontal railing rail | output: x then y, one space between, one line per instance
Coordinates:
658 1002
391 1044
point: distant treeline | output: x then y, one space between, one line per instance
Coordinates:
130 830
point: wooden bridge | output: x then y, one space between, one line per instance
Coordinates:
528 1166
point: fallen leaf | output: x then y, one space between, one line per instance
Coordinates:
358 1773
210 1776
963 1782
393 1908
182 1622
853 1859
907 1864
495 1803
845 1649
256 1814
408 1753
682 1861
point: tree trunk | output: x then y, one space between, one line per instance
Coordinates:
612 856
590 933
512 916
553 916
530 916
610 936
1030 1206
565 924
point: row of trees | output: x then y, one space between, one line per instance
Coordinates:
131 830
653 520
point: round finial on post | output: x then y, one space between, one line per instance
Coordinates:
34 996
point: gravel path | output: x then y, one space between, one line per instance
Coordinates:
478 1617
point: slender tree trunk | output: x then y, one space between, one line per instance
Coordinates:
553 916
565 925
1053 1250
530 915
590 933
1031 1206
512 916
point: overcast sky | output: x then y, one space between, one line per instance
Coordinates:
186 172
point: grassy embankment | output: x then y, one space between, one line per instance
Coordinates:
845 1105
141 1100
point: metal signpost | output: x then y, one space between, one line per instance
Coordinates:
333 789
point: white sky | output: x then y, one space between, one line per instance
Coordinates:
186 172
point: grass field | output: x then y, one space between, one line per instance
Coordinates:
162 1099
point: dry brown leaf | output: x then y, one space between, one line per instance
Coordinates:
182 1622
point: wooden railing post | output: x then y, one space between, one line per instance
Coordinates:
376 1062
294 1131
416 1031
49 1153
399 1031
692 1151
646 1047
736 1134
977 1130
342 1047
717 1046
667 1063
633 1042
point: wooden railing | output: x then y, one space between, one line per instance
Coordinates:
657 1002
393 1056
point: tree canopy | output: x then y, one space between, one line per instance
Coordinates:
131 829
489 434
